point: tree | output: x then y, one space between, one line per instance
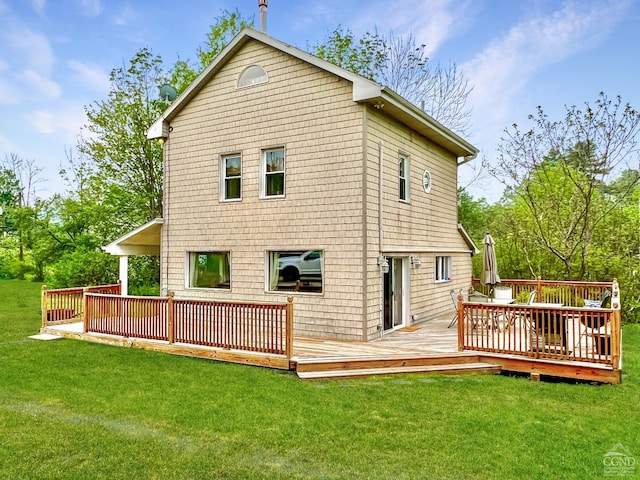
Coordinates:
557 172
128 167
226 26
401 64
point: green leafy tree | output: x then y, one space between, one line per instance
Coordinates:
557 172
128 167
401 64
226 26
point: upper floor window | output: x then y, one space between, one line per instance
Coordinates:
272 178
231 178
252 75
403 177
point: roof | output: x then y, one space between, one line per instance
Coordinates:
144 240
468 239
364 91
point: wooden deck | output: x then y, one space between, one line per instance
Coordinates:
430 347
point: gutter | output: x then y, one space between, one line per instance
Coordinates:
467 159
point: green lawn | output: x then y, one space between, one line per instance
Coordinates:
75 410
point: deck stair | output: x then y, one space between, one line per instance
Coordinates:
345 367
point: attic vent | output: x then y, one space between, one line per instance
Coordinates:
252 75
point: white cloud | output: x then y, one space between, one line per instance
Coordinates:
33 48
504 68
39 6
43 121
90 8
66 121
126 16
91 77
40 84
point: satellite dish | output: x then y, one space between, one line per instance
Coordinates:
168 93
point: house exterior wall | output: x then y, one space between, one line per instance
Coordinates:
332 152
311 113
425 226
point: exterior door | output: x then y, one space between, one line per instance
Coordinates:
394 294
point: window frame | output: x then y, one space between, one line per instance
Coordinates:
306 283
443 267
223 177
404 178
259 80
190 284
264 174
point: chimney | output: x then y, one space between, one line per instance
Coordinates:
262 4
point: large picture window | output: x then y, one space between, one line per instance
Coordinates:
273 163
295 270
443 268
209 270
231 177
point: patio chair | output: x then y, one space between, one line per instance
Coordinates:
465 298
604 302
454 299
532 297
596 326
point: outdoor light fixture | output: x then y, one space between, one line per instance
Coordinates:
384 264
415 262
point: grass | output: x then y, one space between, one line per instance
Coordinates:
75 410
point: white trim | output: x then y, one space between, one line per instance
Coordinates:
263 172
223 177
364 90
411 250
127 245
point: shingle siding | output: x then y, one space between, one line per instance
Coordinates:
331 183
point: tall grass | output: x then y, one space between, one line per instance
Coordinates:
74 410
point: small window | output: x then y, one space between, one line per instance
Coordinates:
272 182
443 269
252 75
231 185
295 270
209 270
403 177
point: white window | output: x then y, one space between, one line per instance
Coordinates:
209 270
231 178
252 75
443 268
295 270
272 181
403 177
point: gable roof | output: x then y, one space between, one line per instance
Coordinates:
364 91
144 240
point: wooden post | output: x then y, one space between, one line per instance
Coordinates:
539 289
85 310
119 287
43 305
461 325
171 317
616 327
289 327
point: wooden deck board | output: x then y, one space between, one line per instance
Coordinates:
431 346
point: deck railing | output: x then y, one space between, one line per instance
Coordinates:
253 327
551 291
66 305
543 331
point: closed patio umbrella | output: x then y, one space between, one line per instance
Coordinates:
489 264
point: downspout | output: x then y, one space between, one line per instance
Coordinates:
380 173
164 252
381 232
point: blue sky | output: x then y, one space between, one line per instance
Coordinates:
56 55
